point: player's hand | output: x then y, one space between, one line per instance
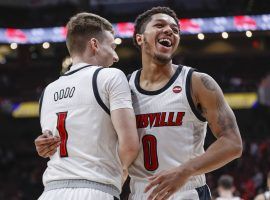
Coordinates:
46 144
166 183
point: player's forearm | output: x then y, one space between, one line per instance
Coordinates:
221 152
125 125
127 154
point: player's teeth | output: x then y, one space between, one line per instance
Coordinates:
169 42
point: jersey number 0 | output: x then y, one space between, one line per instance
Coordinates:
150 152
61 127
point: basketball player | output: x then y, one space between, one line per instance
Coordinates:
89 108
266 194
173 104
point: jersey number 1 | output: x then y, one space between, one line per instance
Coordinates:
150 152
61 127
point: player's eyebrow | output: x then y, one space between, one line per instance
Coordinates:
164 21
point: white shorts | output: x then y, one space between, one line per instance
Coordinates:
75 194
200 193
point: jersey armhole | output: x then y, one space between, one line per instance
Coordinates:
128 77
96 93
40 102
190 100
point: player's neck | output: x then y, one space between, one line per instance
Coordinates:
155 72
154 77
81 59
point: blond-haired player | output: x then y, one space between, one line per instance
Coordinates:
89 108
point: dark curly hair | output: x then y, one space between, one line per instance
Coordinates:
143 19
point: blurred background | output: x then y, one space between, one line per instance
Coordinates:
228 39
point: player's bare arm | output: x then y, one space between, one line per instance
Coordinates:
46 144
209 99
125 125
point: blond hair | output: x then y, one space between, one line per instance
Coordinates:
82 27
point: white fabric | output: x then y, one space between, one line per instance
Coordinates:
175 144
180 195
228 198
267 195
92 141
75 194
114 92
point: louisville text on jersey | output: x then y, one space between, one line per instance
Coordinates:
160 119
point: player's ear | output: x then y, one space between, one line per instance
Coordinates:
94 45
139 39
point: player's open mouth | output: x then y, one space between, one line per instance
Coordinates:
165 42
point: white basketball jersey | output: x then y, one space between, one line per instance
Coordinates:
267 195
170 129
89 142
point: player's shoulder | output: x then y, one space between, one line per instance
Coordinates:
190 69
202 83
112 72
111 75
199 74
201 77
51 85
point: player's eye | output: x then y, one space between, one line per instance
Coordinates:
175 30
159 25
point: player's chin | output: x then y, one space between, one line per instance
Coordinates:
165 52
163 57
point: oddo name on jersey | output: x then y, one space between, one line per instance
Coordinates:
64 93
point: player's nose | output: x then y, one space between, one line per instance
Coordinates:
168 30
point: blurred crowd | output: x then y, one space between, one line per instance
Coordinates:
247 176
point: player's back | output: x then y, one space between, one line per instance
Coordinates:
88 147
